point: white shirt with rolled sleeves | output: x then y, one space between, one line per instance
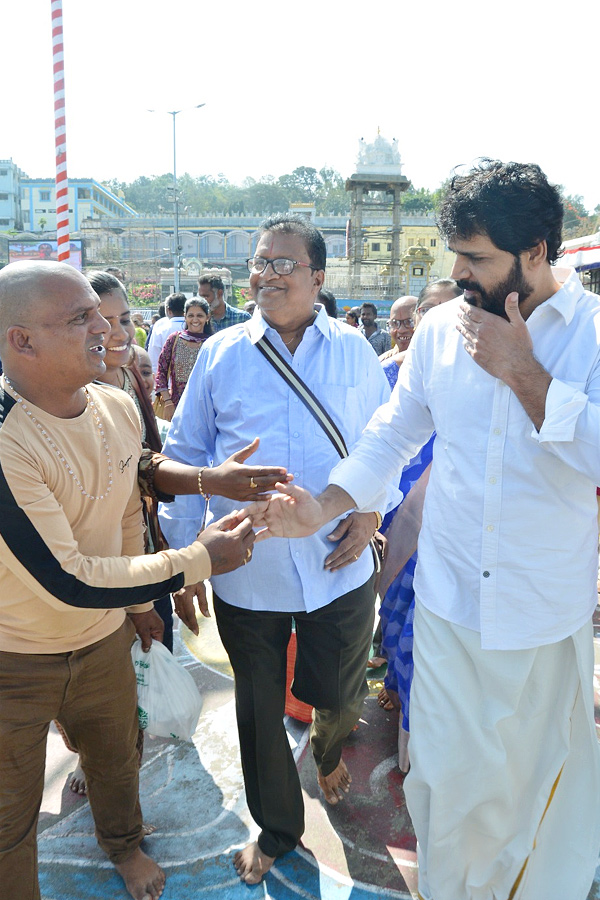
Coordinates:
509 543
235 395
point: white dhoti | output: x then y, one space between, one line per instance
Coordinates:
504 786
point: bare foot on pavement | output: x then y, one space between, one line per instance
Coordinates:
336 784
384 699
376 662
252 864
77 782
143 878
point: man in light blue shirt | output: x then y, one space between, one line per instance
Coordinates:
325 582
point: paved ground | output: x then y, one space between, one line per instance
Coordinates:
193 793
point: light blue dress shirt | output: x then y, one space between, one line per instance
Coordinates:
235 395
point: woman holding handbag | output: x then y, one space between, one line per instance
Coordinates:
178 356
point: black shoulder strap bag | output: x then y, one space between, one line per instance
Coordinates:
316 409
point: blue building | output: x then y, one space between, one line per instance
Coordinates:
10 195
88 199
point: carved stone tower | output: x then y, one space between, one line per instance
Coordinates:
375 188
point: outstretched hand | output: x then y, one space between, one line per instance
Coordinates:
237 481
293 512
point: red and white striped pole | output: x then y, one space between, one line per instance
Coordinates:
60 135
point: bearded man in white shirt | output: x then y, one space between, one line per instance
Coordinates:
505 776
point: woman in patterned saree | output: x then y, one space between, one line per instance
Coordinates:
179 353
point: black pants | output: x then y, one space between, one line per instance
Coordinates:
333 649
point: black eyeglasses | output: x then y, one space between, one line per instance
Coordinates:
258 264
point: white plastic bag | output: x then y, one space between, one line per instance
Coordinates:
169 702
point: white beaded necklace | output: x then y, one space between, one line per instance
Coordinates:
57 450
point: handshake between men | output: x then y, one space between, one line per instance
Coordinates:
291 513
294 513
229 543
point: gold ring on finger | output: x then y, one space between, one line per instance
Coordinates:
253 484
248 556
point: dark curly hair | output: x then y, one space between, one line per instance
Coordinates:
512 203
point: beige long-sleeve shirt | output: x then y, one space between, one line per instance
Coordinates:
69 565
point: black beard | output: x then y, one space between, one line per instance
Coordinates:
494 300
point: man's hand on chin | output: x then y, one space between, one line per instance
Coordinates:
497 344
503 347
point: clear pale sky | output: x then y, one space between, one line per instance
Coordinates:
298 83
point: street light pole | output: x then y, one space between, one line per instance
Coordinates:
176 247
176 211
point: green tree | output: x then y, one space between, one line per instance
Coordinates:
116 186
207 194
332 197
417 200
575 211
302 185
146 194
264 196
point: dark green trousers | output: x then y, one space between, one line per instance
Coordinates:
333 649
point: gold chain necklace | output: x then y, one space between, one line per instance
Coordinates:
57 450
297 336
